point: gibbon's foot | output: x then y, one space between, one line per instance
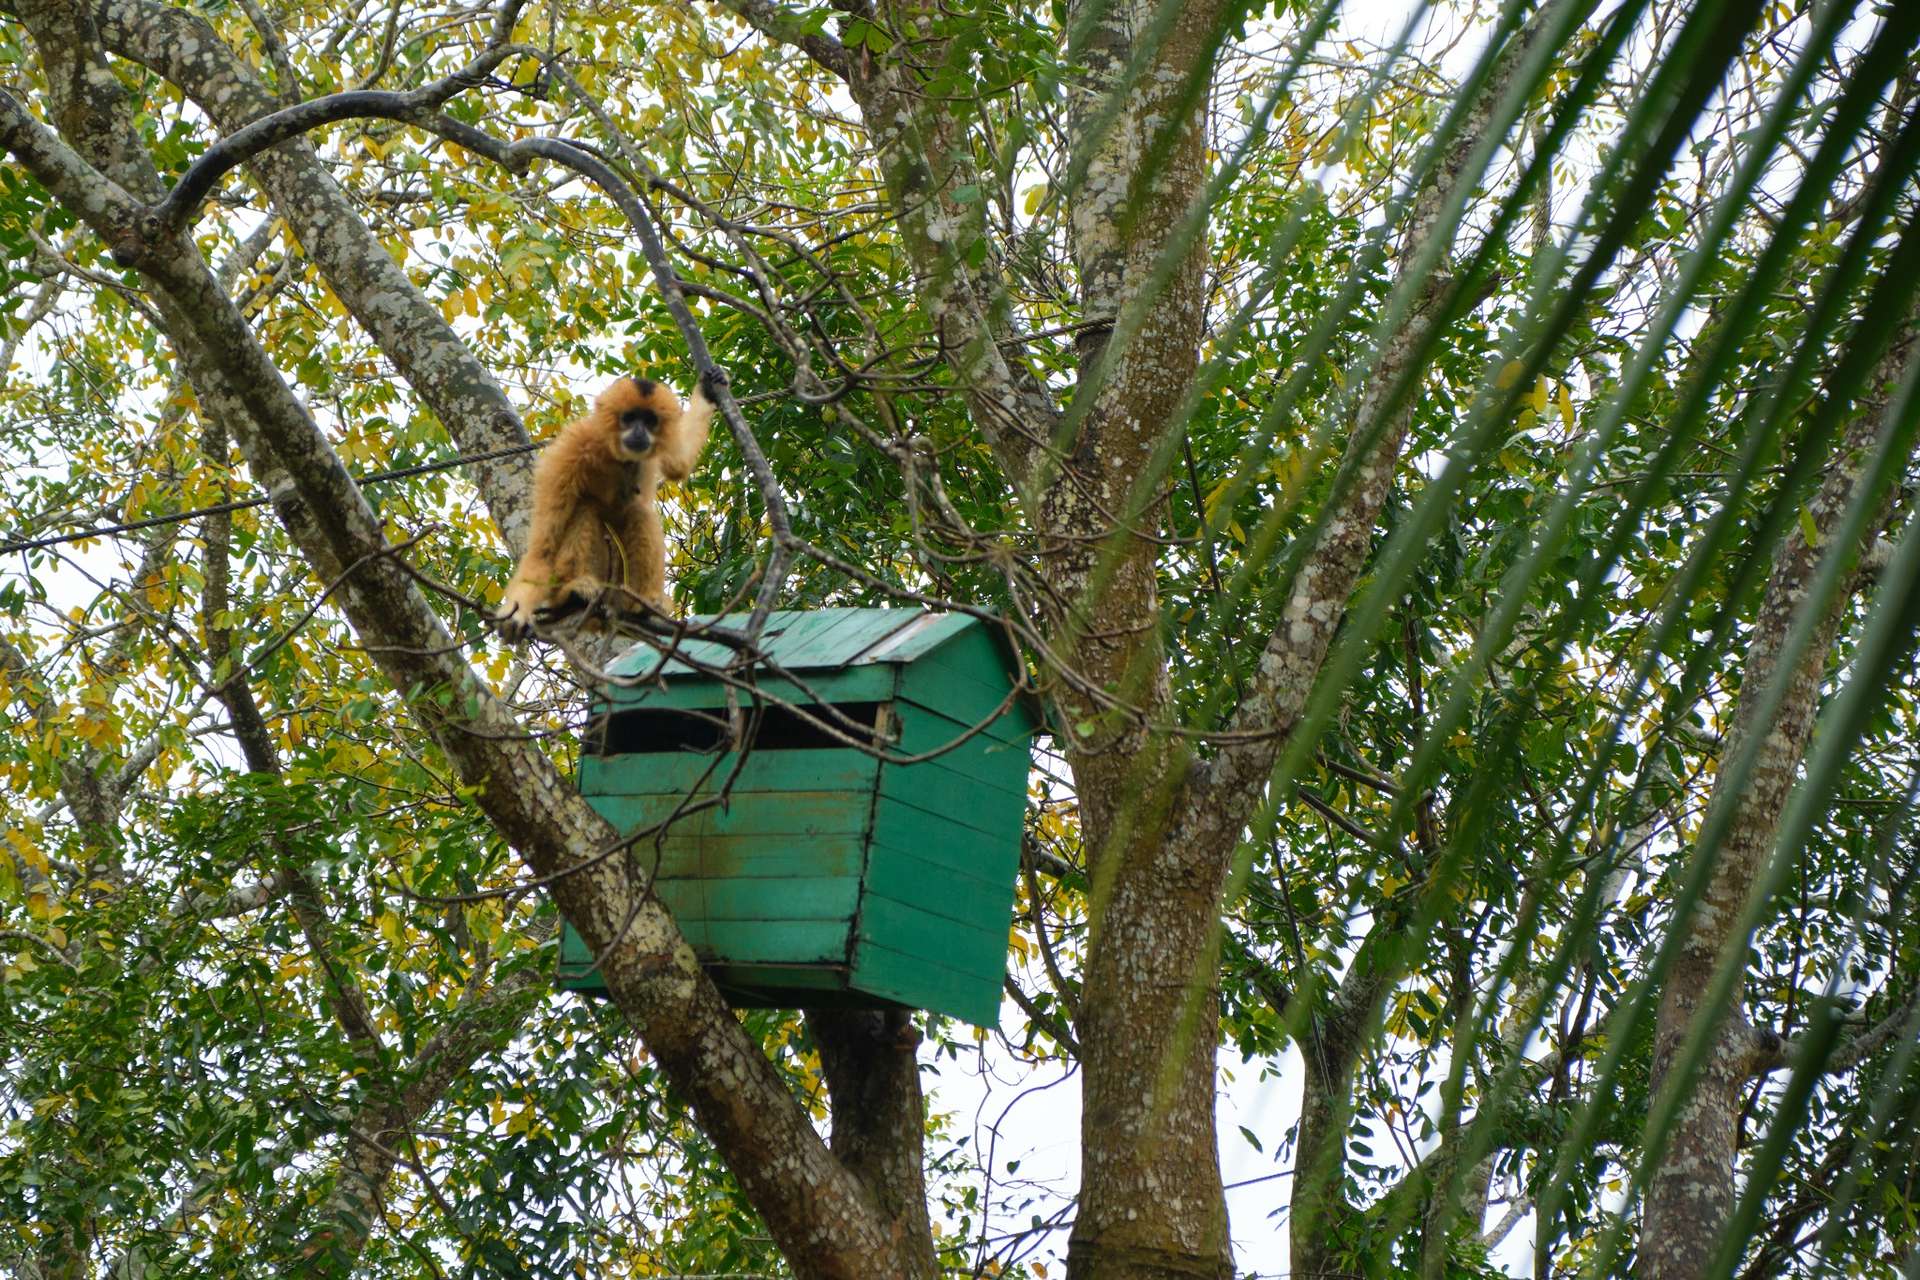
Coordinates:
712 380
624 611
580 599
517 626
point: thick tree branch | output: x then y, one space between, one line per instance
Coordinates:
879 1121
182 205
1224 795
1858 1048
183 47
1779 1054
786 27
815 1209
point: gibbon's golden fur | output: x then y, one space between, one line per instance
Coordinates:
596 512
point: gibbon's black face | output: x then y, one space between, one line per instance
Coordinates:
636 430
634 409
637 422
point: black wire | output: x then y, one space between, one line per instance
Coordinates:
242 504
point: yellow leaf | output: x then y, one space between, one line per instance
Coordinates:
1540 396
1566 407
1509 374
1808 529
29 852
1214 495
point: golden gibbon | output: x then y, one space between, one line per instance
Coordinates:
596 509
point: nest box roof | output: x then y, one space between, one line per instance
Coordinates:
819 640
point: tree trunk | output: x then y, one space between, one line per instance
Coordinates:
1151 1200
1691 1196
1151 1203
879 1122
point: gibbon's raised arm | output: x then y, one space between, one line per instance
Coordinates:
681 449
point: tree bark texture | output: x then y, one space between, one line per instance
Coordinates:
182 47
1151 1203
820 1215
1691 1196
879 1122
1151 1200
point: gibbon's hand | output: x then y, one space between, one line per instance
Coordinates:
712 380
515 618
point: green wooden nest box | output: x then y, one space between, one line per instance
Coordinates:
829 877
